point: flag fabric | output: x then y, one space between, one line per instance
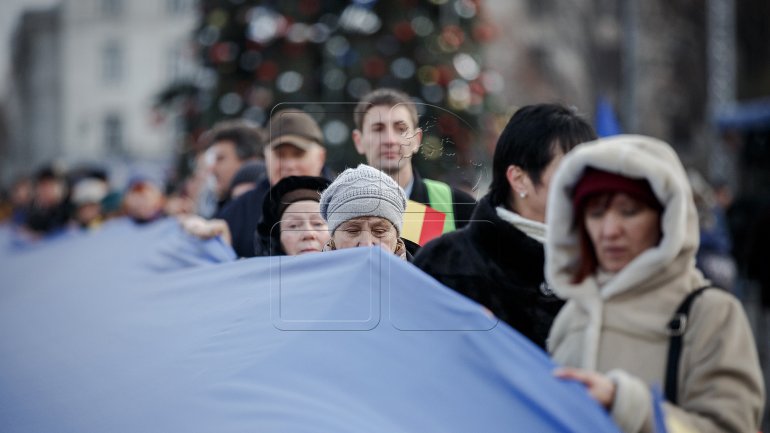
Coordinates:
664 424
144 329
606 122
119 246
422 223
659 413
14 240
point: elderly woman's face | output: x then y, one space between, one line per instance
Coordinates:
366 231
620 229
302 228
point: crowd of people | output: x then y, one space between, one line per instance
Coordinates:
52 202
585 246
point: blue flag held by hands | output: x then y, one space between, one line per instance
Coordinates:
145 329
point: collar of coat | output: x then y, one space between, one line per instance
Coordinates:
419 190
504 244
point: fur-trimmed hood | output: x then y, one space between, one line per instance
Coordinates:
644 294
620 327
633 156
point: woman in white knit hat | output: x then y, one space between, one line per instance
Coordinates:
621 242
364 207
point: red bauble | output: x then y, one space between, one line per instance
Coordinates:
453 36
445 75
374 67
403 31
267 71
485 32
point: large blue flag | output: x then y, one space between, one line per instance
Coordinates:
120 246
143 329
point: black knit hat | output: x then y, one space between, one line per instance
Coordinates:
287 191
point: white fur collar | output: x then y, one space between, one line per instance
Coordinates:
531 228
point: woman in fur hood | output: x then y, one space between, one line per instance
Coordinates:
621 242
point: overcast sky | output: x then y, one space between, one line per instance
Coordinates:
10 11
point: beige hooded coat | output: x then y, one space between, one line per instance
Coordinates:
620 328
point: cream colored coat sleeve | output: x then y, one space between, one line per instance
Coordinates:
720 378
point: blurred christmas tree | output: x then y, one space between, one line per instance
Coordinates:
317 55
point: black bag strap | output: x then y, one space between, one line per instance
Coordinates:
676 328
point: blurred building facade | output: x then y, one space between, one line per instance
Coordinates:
84 80
678 70
32 108
648 58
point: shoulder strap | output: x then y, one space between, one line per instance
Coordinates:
440 198
676 328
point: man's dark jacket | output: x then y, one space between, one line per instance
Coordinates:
497 265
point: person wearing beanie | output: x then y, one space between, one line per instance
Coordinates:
87 196
622 233
291 221
497 260
364 207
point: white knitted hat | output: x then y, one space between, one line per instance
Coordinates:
363 191
89 190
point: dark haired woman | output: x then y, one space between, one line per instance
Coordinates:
497 259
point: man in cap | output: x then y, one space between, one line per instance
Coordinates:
295 148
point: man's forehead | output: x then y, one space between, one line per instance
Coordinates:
223 145
388 114
287 145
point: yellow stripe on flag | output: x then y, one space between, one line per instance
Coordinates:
422 223
413 219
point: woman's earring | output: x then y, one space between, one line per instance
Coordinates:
522 194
